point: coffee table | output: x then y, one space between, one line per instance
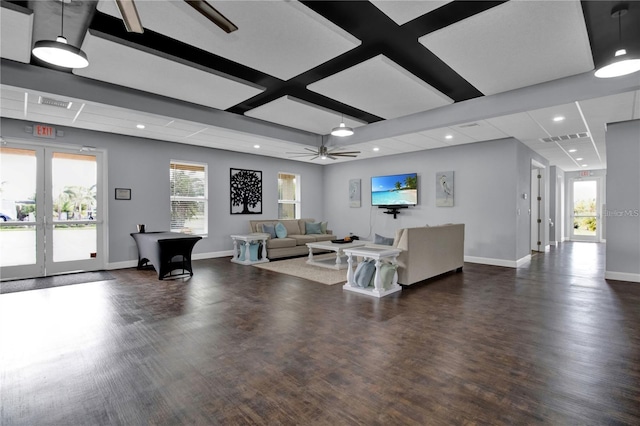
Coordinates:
336 247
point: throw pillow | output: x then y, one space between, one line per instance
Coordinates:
323 227
281 231
385 241
312 228
269 229
365 271
387 271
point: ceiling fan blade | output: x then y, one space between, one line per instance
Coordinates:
332 157
315 151
313 158
213 15
130 16
344 154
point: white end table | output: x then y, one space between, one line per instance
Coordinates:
328 245
378 254
248 239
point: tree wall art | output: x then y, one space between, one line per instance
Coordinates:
246 191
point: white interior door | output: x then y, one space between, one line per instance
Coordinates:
52 199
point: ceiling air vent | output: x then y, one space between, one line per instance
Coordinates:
462 126
565 137
54 102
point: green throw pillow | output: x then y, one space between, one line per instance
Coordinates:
313 228
323 227
281 231
387 271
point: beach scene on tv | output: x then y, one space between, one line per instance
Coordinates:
394 190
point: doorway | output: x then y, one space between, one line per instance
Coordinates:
585 220
51 204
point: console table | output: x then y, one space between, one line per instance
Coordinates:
245 242
160 249
378 254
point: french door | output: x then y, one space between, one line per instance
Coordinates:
51 214
585 220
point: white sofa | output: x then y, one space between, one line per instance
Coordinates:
429 251
294 244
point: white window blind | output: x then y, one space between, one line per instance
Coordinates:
288 196
188 198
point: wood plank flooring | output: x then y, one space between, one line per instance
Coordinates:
551 343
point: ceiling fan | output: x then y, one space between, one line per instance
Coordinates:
133 24
323 152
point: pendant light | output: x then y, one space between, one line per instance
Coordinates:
59 52
621 64
342 130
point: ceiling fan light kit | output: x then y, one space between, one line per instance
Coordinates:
59 52
621 64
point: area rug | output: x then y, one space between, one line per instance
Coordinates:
54 281
299 268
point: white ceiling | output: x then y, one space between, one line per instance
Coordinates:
381 87
282 39
123 65
518 44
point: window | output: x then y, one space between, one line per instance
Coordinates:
188 197
288 196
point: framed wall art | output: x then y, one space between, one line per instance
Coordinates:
246 191
123 193
354 193
444 189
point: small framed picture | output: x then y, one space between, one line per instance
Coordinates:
123 193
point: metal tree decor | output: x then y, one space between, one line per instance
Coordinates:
246 191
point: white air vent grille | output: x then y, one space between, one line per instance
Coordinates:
54 102
565 137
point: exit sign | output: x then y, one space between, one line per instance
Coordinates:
42 131
585 173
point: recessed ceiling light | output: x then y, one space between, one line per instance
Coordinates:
448 137
584 165
558 118
376 149
579 159
140 126
572 150
256 146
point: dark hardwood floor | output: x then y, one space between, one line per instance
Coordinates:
551 343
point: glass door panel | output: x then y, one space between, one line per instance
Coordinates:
585 210
50 213
73 208
21 235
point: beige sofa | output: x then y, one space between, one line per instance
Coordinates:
429 251
294 243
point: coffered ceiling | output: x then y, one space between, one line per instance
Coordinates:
406 75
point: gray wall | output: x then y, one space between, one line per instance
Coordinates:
489 176
623 201
143 166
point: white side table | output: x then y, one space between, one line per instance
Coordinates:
377 254
248 239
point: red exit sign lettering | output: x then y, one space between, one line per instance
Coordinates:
42 131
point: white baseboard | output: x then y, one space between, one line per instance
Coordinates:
498 262
212 255
622 276
122 265
196 256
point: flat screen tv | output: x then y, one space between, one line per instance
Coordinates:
394 190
